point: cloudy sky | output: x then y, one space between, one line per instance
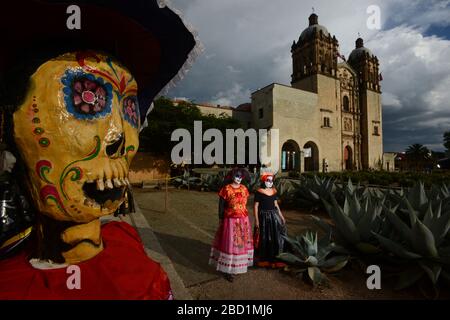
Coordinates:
247 46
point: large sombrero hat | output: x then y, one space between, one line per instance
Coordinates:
149 39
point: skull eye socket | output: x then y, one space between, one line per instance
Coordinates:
86 96
131 110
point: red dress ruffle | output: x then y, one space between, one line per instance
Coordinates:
121 271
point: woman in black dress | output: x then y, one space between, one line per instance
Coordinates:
269 224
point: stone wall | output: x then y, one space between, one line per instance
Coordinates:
148 168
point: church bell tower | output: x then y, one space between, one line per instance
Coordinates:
315 53
366 66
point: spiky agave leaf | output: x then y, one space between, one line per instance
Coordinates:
396 248
291 259
433 270
334 264
423 240
365 225
322 224
310 243
440 226
409 277
297 247
417 196
399 225
367 248
345 225
316 276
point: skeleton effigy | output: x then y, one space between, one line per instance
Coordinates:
74 97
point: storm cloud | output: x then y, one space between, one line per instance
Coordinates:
247 46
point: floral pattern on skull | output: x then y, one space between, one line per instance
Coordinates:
86 96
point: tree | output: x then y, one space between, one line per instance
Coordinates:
417 155
447 142
165 118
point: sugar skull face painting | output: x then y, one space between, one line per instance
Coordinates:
77 131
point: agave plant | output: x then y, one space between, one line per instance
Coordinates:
355 222
213 182
313 257
285 188
422 242
438 193
419 198
310 191
416 198
349 189
254 182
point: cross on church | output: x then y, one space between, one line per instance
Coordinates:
312 9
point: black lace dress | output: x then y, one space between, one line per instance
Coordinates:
271 228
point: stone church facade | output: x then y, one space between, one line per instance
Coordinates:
330 117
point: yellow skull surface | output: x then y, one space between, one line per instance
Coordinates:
77 132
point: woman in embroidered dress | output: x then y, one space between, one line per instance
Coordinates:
269 224
232 249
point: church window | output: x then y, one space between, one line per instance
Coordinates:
375 131
261 113
346 104
326 122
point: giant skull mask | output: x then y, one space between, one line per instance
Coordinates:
77 131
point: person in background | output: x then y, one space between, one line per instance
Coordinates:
270 226
232 249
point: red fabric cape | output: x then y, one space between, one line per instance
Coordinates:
121 271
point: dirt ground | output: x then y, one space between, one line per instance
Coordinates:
186 231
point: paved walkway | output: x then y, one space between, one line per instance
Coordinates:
185 233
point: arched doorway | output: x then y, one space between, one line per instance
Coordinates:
348 158
290 156
311 156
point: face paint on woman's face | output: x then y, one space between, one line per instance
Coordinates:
268 183
237 179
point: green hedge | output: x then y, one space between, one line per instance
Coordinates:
384 178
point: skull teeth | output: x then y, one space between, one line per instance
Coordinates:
91 203
109 184
103 184
117 182
100 185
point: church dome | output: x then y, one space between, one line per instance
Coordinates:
314 26
359 51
